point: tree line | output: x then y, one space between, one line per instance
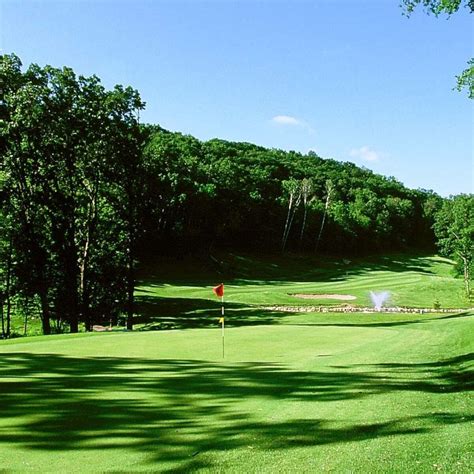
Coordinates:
242 195
86 191
68 205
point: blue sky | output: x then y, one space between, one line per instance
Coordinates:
353 80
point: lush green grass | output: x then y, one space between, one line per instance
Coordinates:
392 397
175 295
178 294
295 393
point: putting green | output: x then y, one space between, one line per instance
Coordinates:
323 392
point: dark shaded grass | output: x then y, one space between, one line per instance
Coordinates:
249 269
154 312
174 410
164 301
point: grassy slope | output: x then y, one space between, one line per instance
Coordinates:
175 295
336 392
167 300
297 397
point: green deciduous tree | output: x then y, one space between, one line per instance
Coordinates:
454 228
85 191
438 7
225 193
466 79
71 154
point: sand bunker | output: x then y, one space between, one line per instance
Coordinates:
324 297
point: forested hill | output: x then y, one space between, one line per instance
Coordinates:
200 194
86 191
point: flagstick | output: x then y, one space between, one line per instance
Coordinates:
223 327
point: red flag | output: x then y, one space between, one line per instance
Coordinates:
219 290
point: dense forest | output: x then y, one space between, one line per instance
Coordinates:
87 191
239 194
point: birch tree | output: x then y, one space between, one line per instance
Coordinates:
329 188
306 192
293 190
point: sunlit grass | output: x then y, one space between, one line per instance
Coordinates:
304 392
393 396
177 295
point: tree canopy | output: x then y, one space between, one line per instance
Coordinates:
86 192
70 154
454 228
438 7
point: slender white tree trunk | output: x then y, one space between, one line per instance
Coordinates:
290 205
290 223
329 189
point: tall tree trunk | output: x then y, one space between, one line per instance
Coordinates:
326 207
45 312
85 308
130 290
295 208
467 277
130 259
84 293
71 268
321 229
71 296
25 323
290 205
8 287
306 190
305 203
84 299
2 316
67 301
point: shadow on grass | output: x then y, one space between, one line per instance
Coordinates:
253 270
155 312
176 413
387 324
457 373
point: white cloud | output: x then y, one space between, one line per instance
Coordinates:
286 120
365 153
292 122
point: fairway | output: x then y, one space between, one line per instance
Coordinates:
175 295
236 237
318 393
